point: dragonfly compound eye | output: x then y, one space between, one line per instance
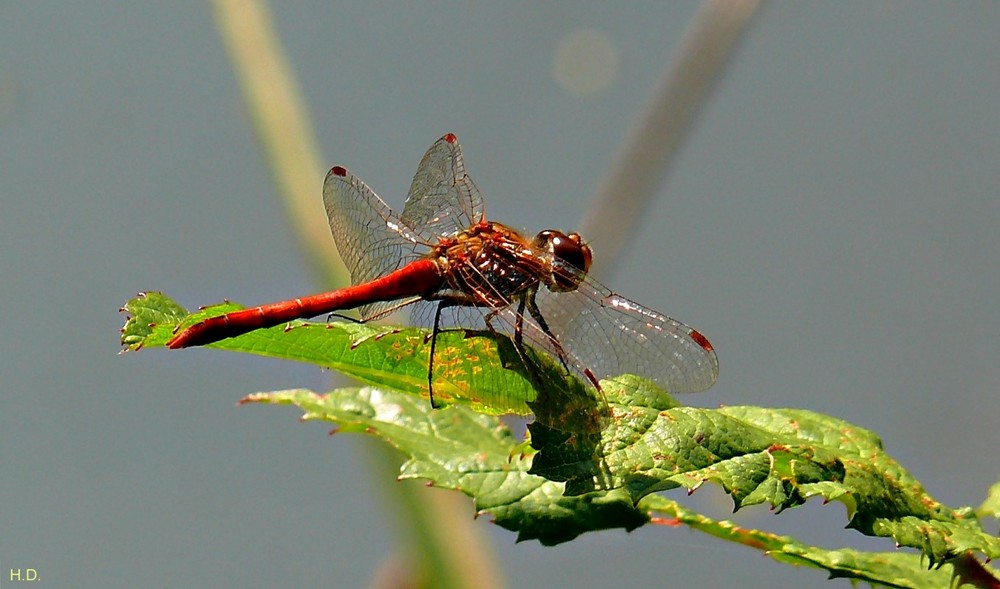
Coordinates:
570 259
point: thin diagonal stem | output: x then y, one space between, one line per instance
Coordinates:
651 144
281 120
451 552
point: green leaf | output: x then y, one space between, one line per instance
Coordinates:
456 448
152 316
888 569
991 506
466 370
598 458
779 456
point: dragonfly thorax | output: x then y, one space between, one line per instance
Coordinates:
492 263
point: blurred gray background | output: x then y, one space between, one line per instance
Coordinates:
832 225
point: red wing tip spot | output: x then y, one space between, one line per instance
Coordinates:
338 171
702 341
450 138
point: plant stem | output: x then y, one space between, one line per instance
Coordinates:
452 551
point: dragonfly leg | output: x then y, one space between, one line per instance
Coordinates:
529 300
504 360
533 370
331 316
430 363
443 303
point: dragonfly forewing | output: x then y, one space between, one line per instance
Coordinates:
443 199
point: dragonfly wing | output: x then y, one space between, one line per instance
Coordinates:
612 335
371 239
443 199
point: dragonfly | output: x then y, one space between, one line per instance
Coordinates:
457 269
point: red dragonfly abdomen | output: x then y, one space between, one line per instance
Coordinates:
414 279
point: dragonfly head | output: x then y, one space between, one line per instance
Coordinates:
570 259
